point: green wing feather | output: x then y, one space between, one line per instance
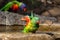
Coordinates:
6 7
16 2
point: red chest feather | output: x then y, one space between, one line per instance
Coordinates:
15 7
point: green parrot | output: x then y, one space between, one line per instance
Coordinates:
32 24
10 4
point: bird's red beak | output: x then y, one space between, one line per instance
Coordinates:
25 9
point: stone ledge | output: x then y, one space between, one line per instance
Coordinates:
30 36
19 36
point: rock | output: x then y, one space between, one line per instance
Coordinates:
9 18
31 37
2 18
58 18
52 12
58 2
48 22
53 27
19 36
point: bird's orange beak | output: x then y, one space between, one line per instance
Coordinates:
23 19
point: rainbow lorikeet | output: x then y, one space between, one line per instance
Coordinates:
32 24
14 5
